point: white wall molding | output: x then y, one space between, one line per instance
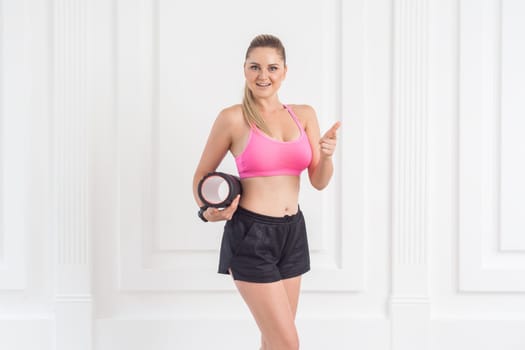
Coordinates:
409 304
486 264
70 226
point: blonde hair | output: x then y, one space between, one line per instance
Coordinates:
249 108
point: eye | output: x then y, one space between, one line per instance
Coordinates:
273 68
254 67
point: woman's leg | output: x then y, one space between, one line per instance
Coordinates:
270 306
293 288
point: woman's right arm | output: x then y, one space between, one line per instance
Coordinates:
218 144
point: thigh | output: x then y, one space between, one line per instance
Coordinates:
293 288
270 306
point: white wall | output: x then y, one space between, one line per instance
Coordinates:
105 107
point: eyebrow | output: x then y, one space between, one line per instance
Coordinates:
271 64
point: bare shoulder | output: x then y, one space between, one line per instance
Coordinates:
306 110
231 114
231 121
305 113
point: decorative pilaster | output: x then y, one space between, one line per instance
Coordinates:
409 301
73 296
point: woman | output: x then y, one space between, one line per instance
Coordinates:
264 245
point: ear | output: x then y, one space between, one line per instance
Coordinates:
285 71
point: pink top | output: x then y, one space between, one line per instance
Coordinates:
264 156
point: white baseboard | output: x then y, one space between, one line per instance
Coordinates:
211 334
236 334
462 334
26 334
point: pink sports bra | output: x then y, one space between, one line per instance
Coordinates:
264 156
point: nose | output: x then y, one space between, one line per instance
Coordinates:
263 74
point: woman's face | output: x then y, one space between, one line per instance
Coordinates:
264 70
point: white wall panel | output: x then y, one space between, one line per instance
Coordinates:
25 272
511 51
14 132
1 128
488 165
167 97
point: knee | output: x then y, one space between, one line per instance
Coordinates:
288 343
292 342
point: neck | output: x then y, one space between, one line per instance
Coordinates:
269 105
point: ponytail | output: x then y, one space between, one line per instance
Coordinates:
251 112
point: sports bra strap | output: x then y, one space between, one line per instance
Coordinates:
294 117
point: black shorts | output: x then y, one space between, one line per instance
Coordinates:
260 248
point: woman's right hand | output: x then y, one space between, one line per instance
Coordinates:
214 214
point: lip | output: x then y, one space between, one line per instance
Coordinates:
263 85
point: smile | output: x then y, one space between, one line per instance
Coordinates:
263 85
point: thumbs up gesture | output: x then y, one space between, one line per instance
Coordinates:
329 141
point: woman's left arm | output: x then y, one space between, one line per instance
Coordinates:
321 167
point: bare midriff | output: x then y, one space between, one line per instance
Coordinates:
271 195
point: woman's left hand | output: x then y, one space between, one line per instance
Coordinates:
329 141
214 214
